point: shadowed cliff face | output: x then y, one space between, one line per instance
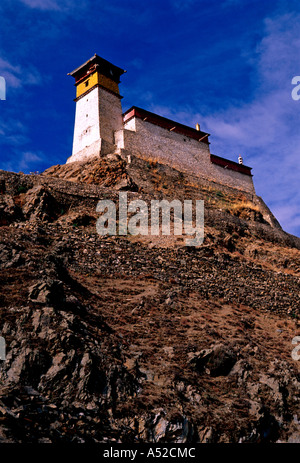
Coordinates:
141 338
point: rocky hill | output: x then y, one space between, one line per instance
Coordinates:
141 338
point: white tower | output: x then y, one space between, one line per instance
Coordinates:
98 108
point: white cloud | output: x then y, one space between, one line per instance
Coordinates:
266 130
30 160
10 73
55 5
12 132
24 162
44 4
17 76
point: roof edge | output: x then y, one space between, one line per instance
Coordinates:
98 59
199 133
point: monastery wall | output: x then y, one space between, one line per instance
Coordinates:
149 141
100 128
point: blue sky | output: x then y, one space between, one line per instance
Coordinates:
226 64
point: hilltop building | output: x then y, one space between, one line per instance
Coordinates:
101 128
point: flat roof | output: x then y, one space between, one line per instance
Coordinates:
165 123
105 66
232 165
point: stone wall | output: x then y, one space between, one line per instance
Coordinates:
98 148
99 130
110 115
150 141
231 178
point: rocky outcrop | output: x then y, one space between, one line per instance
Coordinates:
142 339
217 361
109 171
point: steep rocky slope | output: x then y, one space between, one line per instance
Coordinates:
141 338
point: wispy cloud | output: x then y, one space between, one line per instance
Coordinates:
30 160
10 73
49 5
16 76
12 132
25 161
266 129
272 109
42 4
289 214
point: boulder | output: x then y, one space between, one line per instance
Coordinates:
217 361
